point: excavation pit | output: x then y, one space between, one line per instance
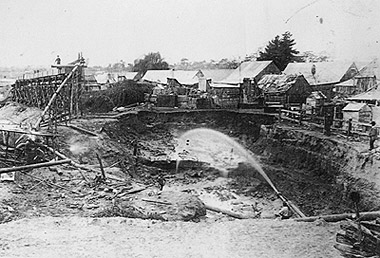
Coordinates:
315 172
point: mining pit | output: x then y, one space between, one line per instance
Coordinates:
315 172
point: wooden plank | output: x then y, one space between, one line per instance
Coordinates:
372 215
226 212
81 129
101 166
37 165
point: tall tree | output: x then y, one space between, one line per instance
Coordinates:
280 50
151 61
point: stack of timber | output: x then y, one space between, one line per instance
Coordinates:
359 239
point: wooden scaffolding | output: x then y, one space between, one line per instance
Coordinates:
58 95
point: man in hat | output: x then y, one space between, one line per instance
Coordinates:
372 135
58 60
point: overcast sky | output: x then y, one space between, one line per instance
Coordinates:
33 32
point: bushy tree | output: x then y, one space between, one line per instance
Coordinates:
225 63
151 61
311 57
280 50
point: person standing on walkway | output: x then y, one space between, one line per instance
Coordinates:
349 127
373 134
58 60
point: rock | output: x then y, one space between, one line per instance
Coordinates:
171 206
320 222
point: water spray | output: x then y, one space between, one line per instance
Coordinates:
193 140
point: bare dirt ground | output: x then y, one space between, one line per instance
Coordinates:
121 237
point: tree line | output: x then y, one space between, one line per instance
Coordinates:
281 50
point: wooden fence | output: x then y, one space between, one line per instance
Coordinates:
338 125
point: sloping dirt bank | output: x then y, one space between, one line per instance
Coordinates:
319 172
314 171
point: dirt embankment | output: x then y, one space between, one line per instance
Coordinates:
314 171
319 172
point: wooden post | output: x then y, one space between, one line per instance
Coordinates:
7 143
72 87
101 166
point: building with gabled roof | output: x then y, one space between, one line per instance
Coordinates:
215 75
125 76
372 96
315 101
368 76
323 76
90 83
372 69
286 90
247 75
105 78
323 72
346 88
252 70
358 112
162 76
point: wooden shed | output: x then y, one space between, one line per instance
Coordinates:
226 96
315 102
358 112
286 90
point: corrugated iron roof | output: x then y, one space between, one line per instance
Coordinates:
373 94
128 75
221 85
370 70
105 78
317 95
161 76
354 106
157 76
348 83
185 77
246 70
216 75
275 82
90 77
325 72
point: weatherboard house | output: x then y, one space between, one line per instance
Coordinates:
368 76
247 75
285 90
358 112
365 80
323 76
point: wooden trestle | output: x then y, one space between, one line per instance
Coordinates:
58 95
59 98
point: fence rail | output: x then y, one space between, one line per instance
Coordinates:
338 125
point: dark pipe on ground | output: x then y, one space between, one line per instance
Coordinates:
372 215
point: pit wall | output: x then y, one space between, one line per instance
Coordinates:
332 160
231 122
337 167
